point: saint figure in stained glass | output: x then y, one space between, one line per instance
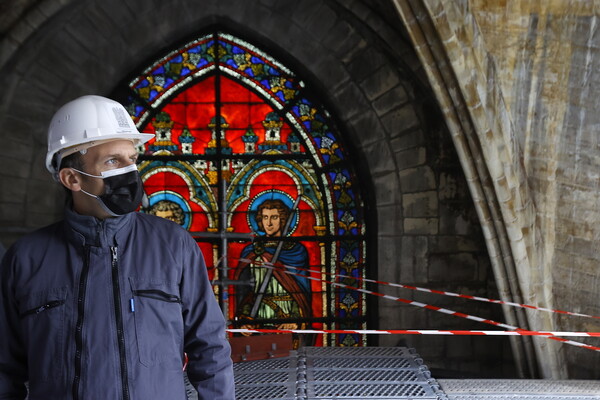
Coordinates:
285 296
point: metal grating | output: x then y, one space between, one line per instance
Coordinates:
519 397
262 378
367 373
369 391
265 365
272 379
381 373
522 389
345 373
364 363
375 352
377 375
264 392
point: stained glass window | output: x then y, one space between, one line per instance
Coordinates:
252 164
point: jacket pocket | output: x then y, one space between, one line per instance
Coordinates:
42 317
156 308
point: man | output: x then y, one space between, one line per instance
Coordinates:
104 304
286 296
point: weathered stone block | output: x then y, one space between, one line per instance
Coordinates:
55 81
451 243
321 22
338 82
413 259
21 32
35 17
399 120
388 258
418 179
305 14
452 187
21 105
7 49
42 195
392 98
411 158
580 247
339 36
17 167
13 190
348 95
292 32
365 63
367 128
12 213
379 82
407 139
379 157
389 218
420 204
454 221
421 226
453 267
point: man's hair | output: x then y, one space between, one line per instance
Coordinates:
74 160
284 212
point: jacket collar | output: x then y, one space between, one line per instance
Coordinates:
96 232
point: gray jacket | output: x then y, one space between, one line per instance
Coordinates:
95 309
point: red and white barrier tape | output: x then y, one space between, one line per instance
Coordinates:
421 289
422 332
434 308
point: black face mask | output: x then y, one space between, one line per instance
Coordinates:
123 190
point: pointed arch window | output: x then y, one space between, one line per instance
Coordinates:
251 163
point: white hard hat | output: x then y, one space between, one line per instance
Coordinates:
86 122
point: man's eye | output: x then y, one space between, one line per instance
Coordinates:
112 161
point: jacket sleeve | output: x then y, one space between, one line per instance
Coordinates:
210 368
13 365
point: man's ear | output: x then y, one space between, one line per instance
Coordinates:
70 179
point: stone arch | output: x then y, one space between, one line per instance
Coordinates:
487 146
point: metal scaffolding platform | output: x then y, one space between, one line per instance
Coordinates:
350 373
522 389
383 373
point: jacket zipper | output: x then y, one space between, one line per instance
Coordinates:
157 295
42 308
80 318
119 318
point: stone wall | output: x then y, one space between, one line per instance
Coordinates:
548 61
